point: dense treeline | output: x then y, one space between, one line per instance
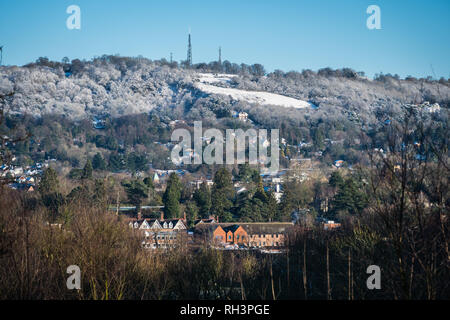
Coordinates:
393 207
407 237
118 86
402 226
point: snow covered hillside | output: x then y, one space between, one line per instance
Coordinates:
259 97
117 86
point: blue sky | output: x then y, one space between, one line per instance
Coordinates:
282 34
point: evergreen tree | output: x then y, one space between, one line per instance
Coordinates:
136 162
336 180
221 195
202 197
98 163
87 170
271 208
245 211
49 182
149 182
172 196
75 173
258 210
136 191
116 162
247 174
244 172
49 190
286 205
191 213
350 198
260 192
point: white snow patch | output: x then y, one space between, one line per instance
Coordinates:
211 78
259 97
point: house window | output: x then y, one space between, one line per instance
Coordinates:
229 237
237 237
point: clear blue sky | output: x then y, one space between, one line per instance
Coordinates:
282 34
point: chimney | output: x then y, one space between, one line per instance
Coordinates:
162 216
184 216
139 215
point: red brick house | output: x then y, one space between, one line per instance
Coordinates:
258 234
210 233
236 234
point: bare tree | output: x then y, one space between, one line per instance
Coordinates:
410 204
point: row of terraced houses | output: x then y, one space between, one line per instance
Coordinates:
169 233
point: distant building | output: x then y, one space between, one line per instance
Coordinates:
328 224
199 182
160 233
338 163
210 220
256 235
242 116
266 234
221 235
235 234
211 232
98 123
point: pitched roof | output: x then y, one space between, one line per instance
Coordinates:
205 228
197 221
261 227
175 222
231 228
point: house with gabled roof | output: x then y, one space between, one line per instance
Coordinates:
218 234
207 221
261 234
173 224
159 233
150 224
144 224
210 233
236 234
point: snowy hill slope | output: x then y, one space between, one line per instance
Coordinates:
117 86
259 97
